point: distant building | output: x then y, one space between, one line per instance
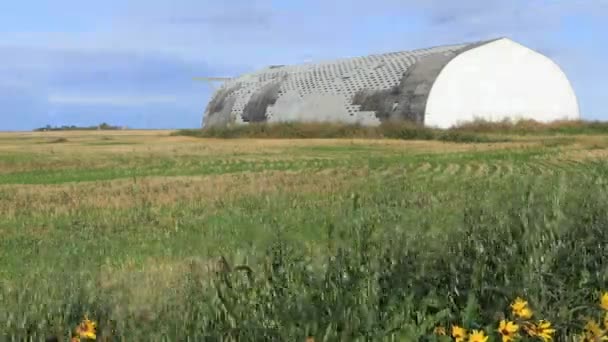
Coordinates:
439 87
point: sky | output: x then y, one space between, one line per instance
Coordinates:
132 62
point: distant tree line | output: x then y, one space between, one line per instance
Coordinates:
103 126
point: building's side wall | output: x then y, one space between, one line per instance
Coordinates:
499 80
314 107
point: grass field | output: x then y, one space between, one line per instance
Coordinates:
175 238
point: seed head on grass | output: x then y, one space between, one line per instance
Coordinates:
440 331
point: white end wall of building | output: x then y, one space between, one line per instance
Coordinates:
499 80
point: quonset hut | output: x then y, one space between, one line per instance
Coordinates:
439 87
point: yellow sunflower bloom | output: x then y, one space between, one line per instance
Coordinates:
459 333
520 308
525 313
508 330
594 332
478 336
544 331
87 329
588 337
518 304
604 301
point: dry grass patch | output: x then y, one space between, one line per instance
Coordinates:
92 147
165 191
584 148
583 155
142 290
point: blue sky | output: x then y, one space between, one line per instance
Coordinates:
131 62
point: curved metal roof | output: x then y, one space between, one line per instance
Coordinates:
411 71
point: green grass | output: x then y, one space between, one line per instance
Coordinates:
16 158
325 157
344 241
473 132
403 131
530 127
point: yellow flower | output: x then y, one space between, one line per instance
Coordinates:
544 330
508 330
606 321
439 330
604 301
478 336
459 333
520 308
518 304
593 328
594 332
525 313
590 338
87 329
